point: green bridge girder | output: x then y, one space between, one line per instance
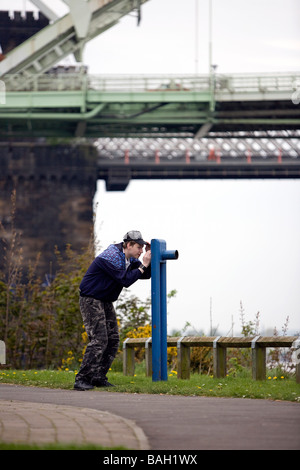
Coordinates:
79 105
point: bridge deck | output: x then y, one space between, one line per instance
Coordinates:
81 105
118 176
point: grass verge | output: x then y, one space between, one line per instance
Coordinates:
280 387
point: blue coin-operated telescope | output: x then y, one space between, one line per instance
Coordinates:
159 255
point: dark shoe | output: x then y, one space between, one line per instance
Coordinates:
102 383
80 385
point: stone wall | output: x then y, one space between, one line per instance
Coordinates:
55 187
16 28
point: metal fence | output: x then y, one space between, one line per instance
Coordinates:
80 80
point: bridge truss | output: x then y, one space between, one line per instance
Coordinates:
240 155
64 35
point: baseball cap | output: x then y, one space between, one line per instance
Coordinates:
134 235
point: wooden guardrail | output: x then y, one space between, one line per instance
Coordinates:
258 345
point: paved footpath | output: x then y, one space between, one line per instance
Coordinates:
141 421
42 423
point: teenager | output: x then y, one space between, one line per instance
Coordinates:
116 267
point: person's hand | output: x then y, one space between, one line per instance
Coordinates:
147 258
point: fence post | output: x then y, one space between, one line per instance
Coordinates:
148 357
258 360
128 359
219 359
2 353
183 360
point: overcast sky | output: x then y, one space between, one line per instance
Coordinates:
247 36
237 240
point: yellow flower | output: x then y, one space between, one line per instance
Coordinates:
84 337
269 378
140 332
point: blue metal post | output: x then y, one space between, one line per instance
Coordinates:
155 299
159 255
163 320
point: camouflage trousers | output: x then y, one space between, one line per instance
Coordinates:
100 322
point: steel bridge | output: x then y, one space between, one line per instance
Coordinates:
251 155
79 105
212 126
241 126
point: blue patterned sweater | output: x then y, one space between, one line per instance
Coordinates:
107 275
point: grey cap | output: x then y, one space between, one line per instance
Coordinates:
135 236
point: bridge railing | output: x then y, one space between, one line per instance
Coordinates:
257 83
150 83
112 83
46 82
205 155
280 82
219 344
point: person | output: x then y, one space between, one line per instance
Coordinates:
116 267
